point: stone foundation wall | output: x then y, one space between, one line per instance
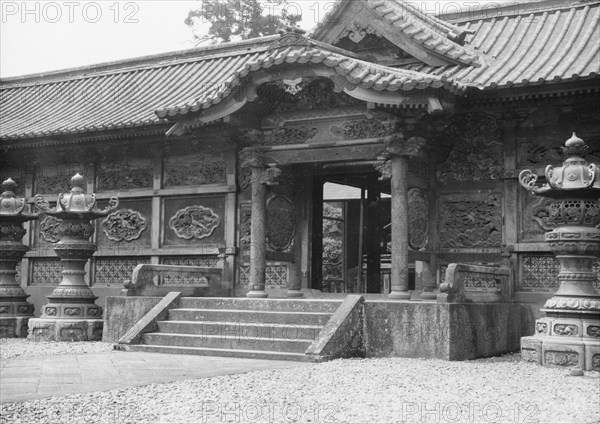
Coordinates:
446 331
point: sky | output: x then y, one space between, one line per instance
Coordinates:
40 36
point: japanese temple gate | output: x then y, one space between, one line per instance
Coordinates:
227 167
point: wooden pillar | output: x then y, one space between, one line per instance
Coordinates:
258 235
261 177
399 188
399 151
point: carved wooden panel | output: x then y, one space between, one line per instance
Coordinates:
245 230
534 221
477 154
112 271
544 150
471 220
317 94
55 178
46 271
296 134
197 220
281 224
193 170
194 221
418 218
128 228
203 261
125 174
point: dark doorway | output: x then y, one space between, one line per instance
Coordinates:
351 233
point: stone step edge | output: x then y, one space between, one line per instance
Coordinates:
242 353
228 337
249 310
245 299
245 324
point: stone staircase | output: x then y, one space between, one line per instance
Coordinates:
280 329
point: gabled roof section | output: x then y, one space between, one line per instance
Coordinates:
538 47
432 40
295 49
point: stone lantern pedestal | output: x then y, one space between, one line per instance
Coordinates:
15 311
569 335
71 313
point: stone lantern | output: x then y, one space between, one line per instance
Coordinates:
15 311
569 335
71 313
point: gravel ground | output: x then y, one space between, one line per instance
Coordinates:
494 390
13 348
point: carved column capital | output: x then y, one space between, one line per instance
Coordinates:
251 158
397 145
255 159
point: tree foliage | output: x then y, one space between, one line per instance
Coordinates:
232 20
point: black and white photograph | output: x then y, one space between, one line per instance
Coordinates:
300 212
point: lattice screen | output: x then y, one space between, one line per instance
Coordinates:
203 261
114 270
46 272
540 273
276 275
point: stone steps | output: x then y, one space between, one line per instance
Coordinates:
226 342
250 316
234 353
285 305
281 329
277 331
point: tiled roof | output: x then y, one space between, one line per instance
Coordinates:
433 34
548 46
293 48
541 48
147 94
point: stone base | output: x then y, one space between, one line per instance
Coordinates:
257 294
400 295
65 330
294 293
13 327
564 342
559 352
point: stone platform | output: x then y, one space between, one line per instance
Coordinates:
390 328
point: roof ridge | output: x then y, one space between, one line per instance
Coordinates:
522 9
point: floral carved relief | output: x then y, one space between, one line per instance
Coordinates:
124 225
194 222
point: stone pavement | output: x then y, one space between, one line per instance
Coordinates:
23 379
